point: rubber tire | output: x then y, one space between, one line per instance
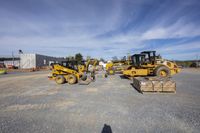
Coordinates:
111 73
69 77
162 68
93 76
60 79
106 75
84 77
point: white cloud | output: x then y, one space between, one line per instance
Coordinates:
181 47
177 30
64 29
181 51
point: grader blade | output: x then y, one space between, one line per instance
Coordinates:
148 84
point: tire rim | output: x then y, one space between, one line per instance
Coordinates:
163 74
59 80
71 79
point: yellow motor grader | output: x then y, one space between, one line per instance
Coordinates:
72 72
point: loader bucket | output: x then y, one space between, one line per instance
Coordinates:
85 82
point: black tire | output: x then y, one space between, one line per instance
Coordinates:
106 75
71 79
93 76
162 69
60 79
84 77
111 72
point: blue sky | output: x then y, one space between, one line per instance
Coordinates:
101 28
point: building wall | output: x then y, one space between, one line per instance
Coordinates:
10 62
35 60
27 61
42 60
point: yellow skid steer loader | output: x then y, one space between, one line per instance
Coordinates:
71 72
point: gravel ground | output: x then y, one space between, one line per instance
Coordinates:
31 103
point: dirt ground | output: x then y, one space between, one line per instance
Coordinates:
29 102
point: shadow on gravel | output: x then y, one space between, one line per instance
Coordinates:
123 77
139 91
106 129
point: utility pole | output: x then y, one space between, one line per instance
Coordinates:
197 61
12 58
128 58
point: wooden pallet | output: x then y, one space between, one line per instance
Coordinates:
154 84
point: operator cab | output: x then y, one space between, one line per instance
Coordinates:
150 57
137 59
70 64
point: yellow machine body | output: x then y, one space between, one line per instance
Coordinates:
118 66
3 69
63 74
109 65
135 72
61 70
149 69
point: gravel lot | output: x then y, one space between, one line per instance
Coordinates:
29 102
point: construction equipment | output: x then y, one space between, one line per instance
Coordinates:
148 64
91 67
71 72
109 68
116 67
2 69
